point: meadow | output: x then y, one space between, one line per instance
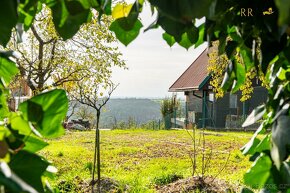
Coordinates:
143 160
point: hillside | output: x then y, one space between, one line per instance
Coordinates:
141 110
121 110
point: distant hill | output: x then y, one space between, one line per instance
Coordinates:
123 109
118 110
141 110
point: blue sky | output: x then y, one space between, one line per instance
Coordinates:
153 65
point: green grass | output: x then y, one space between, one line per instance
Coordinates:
142 159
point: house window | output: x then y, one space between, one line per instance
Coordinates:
233 101
211 97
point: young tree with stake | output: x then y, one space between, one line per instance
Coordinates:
91 94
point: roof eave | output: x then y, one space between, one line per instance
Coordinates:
201 85
183 89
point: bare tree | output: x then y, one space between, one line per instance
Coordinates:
85 113
73 105
91 95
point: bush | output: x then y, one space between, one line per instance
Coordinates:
166 179
67 186
167 108
132 124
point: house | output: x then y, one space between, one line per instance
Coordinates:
203 108
19 94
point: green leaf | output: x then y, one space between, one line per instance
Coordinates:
201 33
107 7
4 132
230 48
185 42
19 124
222 43
255 115
35 112
168 38
183 10
69 15
240 76
234 35
4 111
265 144
125 35
279 92
281 74
33 144
121 10
172 27
15 141
246 56
129 23
102 6
250 147
259 173
153 25
8 69
8 19
280 140
12 182
228 77
193 34
27 10
285 173
269 50
246 190
284 9
29 167
49 110
287 53
74 7
50 172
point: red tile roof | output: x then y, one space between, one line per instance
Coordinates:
193 76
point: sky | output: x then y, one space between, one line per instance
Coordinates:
153 65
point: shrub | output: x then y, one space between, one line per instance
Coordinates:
167 108
166 179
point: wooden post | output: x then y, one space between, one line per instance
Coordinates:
204 93
186 114
175 118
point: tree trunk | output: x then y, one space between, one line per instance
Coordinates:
97 157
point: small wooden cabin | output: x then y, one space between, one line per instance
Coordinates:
202 107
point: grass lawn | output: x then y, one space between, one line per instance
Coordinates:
142 159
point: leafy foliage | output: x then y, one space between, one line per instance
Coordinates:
46 111
261 42
223 19
21 134
8 10
217 65
48 61
168 106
